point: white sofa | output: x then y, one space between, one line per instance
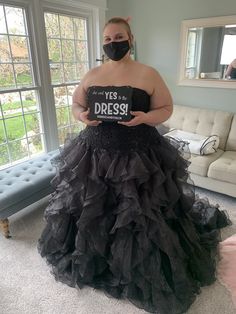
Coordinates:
217 171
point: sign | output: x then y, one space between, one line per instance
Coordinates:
110 103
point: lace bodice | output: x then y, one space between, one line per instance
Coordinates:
115 137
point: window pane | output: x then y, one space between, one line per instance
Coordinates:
81 51
70 72
20 116
70 91
60 96
66 26
71 41
68 50
82 68
54 50
228 48
6 76
63 134
29 101
4 158
15 128
11 105
2 133
56 72
80 29
190 62
23 74
70 66
52 25
5 55
32 124
2 21
19 48
15 21
18 149
62 116
35 144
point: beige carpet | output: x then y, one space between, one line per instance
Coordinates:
27 287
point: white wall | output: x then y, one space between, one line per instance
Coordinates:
156 26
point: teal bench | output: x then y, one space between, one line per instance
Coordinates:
23 184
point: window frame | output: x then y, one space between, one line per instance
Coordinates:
196 53
94 12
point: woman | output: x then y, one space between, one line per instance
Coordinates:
227 265
123 217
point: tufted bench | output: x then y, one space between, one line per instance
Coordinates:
24 184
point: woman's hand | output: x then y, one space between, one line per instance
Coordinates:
139 118
83 116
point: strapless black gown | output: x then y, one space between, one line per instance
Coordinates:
124 218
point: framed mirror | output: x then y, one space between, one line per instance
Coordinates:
208 47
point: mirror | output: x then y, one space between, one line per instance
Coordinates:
208 47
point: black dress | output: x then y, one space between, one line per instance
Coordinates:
124 218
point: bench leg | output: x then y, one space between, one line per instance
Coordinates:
4 225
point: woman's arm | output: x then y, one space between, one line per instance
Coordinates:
80 109
161 105
79 101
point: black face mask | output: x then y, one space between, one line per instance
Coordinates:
116 50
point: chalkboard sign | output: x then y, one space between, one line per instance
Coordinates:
110 103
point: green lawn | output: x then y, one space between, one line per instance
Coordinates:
16 130
15 127
17 105
8 79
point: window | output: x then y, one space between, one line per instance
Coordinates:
67 42
228 49
21 132
40 67
193 52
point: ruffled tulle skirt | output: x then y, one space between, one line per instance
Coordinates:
127 221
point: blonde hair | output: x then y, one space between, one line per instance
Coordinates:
120 20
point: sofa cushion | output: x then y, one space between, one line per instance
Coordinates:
23 180
231 142
201 121
200 164
224 168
